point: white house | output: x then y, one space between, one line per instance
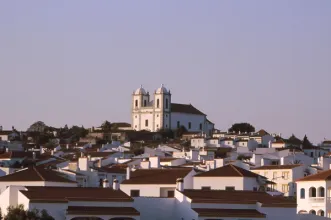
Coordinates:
314 194
161 113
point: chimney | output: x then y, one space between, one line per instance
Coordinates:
89 157
7 150
115 185
128 173
67 146
52 152
208 167
180 184
81 154
154 162
105 183
99 163
34 155
42 151
270 144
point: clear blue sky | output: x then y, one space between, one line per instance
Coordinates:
77 62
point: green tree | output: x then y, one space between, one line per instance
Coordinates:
106 126
180 131
38 126
306 142
18 213
242 127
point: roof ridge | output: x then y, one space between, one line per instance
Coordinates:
235 168
38 173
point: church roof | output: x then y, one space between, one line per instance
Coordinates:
184 108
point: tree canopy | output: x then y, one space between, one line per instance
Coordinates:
18 213
106 126
180 131
242 127
306 142
38 126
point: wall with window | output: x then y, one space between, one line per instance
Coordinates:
219 183
187 120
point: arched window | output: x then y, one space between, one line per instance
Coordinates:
167 104
136 103
312 192
321 192
312 212
145 103
158 103
302 193
320 213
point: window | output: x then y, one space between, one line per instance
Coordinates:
135 126
189 125
178 124
255 189
205 188
285 188
200 126
312 154
135 116
274 175
136 103
158 103
171 194
302 193
157 126
157 115
230 188
166 104
285 175
145 103
135 193
146 123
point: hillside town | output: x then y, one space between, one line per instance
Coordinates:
169 162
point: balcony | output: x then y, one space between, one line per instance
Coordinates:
318 199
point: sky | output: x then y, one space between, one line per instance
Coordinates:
77 62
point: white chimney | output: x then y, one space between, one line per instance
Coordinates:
83 164
270 144
208 167
180 184
105 183
7 150
155 162
34 155
67 146
42 151
128 173
89 157
145 164
99 163
52 152
81 154
115 185
282 161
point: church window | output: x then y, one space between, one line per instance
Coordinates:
200 126
166 104
178 124
145 103
136 103
146 123
189 125
158 103
157 115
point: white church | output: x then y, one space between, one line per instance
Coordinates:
161 113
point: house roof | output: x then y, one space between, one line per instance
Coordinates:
324 175
100 154
33 174
121 124
157 176
238 197
239 213
326 142
94 210
184 108
168 159
228 171
276 167
42 194
6 132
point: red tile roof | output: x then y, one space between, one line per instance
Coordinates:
42 194
184 108
91 210
237 213
33 174
239 197
157 176
228 171
276 167
324 175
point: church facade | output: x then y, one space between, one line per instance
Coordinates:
160 113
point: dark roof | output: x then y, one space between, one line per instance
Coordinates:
22 154
32 174
6 132
112 169
121 124
228 171
238 197
277 167
324 175
326 142
157 176
184 108
42 194
91 210
100 154
238 213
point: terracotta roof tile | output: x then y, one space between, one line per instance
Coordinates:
41 194
238 197
184 108
157 176
276 167
228 171
238 213
91 210
35 174
324 175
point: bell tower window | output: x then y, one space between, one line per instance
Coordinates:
146 123
167 103
158 103
145 103
136 103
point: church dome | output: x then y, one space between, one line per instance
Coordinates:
140 91
161 90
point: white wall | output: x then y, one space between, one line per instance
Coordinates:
184 119
155 208
218 183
